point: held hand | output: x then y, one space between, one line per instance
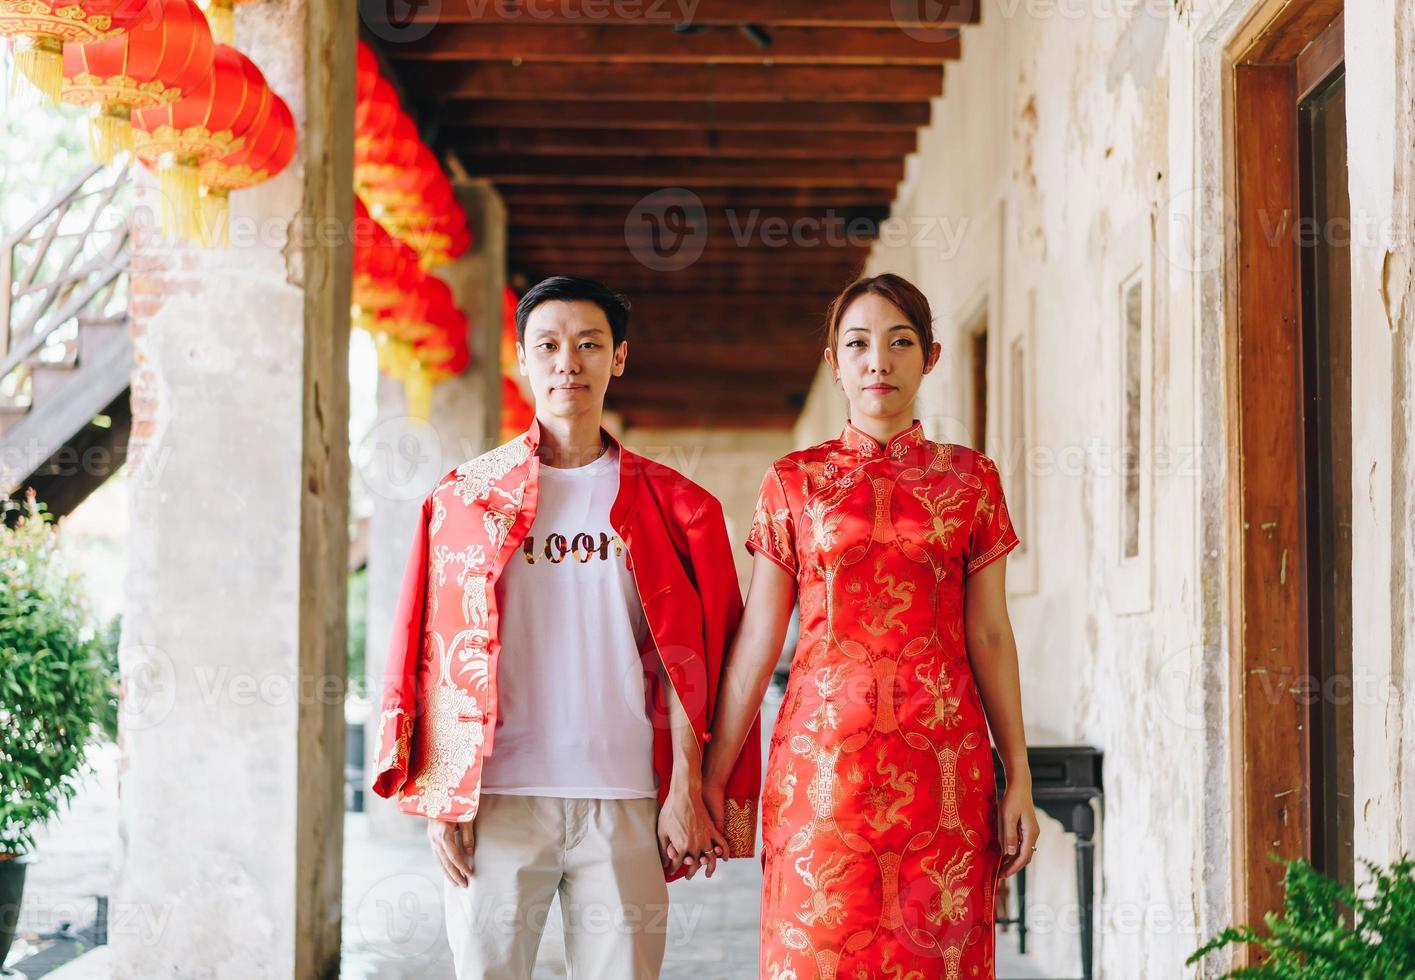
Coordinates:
686 834
453 844
1019 827
714 801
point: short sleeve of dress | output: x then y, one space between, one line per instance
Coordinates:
773 530
992 535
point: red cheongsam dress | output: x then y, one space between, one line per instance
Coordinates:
879 809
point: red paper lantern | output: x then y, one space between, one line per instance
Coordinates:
376 111
436 237
365 67
516 410
167 54
268 149
39 29
381 157
418 314
385 269
509 364
435 358
396 174
212 122
445 350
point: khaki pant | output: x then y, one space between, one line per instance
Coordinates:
602 858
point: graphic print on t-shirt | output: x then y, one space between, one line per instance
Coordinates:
570 686
582 547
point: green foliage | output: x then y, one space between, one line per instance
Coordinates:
106 649
52 681
1327 931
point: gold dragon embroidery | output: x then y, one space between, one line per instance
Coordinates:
888 604
884 800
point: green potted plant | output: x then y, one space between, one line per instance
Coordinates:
1329 931
52 689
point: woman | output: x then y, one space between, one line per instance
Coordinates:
881 826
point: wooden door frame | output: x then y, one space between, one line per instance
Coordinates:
1265 73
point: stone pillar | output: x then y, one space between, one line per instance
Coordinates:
230 826
478 280
403 458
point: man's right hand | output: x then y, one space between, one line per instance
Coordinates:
453 844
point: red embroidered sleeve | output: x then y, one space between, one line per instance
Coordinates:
992 535
773 530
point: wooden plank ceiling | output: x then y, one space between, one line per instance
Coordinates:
770 115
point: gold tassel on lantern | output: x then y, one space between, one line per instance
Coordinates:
221 17
363 318
179 182
417 392
110 132
41 60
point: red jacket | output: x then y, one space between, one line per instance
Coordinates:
438 715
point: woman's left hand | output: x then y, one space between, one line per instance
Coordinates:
1019 827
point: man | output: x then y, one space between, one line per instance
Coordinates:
564 617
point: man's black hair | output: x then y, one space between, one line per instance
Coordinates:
570 288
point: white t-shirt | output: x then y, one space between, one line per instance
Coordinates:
570 685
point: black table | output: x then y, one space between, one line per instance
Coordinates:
1065 779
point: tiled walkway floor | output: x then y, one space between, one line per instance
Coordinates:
393 925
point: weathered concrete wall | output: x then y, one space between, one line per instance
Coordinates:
825 411
1380 45
1077 145
233 649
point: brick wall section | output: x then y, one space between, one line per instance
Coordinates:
158 268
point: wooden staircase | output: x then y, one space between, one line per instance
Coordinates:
65 352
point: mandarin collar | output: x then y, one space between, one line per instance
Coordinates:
532 436
860 442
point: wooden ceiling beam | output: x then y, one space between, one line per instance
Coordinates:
686 171
750 235
654 113
693 358
762 392
946 15
730 308
726 255
691 83
470 143
591 216
714 399
807 258
656 331
758 280
677 416
709 196
717 44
